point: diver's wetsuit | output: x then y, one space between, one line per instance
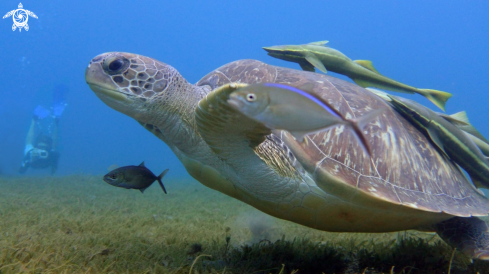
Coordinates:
41 152
41 144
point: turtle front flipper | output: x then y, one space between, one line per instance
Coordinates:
218 122
254 159
468 235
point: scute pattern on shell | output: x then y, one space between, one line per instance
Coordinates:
405 167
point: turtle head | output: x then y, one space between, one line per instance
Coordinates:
129 83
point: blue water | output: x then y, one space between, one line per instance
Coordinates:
428 44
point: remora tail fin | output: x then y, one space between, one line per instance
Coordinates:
358 124
439 98
161 177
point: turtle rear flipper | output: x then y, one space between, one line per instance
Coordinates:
468 235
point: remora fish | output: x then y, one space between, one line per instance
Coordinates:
135 177
483 146
461 121
284 107
458 119
362 72
451 140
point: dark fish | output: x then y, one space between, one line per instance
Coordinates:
136 177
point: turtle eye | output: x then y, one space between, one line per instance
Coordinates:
250 97
115 64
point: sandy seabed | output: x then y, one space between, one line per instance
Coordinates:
80 224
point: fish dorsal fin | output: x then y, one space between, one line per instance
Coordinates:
311 58
461 117
112 167
461 121
319 43
457 119
367 64
141 164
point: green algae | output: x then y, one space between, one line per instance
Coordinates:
79 224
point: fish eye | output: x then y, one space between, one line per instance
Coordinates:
113 176
250 97
115 64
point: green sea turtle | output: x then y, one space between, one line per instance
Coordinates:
327 182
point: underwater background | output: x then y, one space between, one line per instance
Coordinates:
428 44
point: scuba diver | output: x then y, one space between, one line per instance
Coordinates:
41 145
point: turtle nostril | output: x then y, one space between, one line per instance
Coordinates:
116 65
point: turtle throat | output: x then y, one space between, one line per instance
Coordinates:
171 117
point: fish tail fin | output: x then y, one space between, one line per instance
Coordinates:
439 98
358 124
161 177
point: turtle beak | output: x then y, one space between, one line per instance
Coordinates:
112 95
101 84
104 92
